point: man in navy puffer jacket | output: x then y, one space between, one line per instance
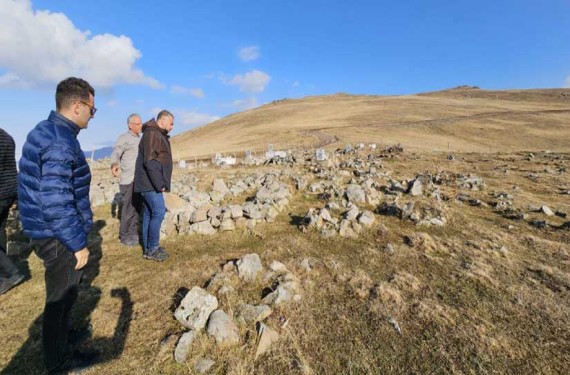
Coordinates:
53 190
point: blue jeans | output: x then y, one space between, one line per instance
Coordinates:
153 214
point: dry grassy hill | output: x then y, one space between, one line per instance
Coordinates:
464 119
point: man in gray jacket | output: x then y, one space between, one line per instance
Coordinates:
123 159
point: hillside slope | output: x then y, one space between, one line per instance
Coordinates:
462 119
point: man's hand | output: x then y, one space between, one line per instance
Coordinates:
82 257
115 170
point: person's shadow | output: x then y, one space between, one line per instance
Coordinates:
29 358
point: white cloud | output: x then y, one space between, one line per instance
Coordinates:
251 82
245 104
112 103
250 53
197 93
189 118
296 84
39 47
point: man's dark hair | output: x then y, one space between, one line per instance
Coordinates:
163 113
72 89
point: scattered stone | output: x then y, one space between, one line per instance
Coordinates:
306 265
236 210
251 314
395 324
249 266
267 337
204 228
278 267
195 308
366 218
184 345
203 365
223 328
346 229
415 188
227 225
546 210
355 194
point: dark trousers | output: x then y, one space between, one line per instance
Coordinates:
129 227
62 281
7 268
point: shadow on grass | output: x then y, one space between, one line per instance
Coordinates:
29 358
296 220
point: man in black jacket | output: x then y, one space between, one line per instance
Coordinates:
153 173
10 276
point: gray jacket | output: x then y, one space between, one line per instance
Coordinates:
125 155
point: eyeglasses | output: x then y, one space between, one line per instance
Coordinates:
92 109
136 123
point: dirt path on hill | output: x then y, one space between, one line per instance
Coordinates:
324 138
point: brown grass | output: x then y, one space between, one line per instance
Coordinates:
461 120
463 307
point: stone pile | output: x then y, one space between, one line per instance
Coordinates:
202 213
349 224
199 310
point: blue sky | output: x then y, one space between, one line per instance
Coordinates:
204 60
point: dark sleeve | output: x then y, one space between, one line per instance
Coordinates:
58 199
152 165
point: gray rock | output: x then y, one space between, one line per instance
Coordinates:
328 232
415 188
184 345
204 228
223 328
203 365
220 186
352 213
249 266
346 229
252 314
366 218
437 222
214 212
227 225
199 215
306 264
267 337
278 267
236 210
195 308
355 194
546 210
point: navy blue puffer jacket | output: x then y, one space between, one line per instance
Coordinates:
53 184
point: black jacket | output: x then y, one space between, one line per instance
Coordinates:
153 170
8 171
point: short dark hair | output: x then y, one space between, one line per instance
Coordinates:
72 89
163 113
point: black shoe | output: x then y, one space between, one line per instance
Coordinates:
78 336
130 243
76 364
11 282
159 255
